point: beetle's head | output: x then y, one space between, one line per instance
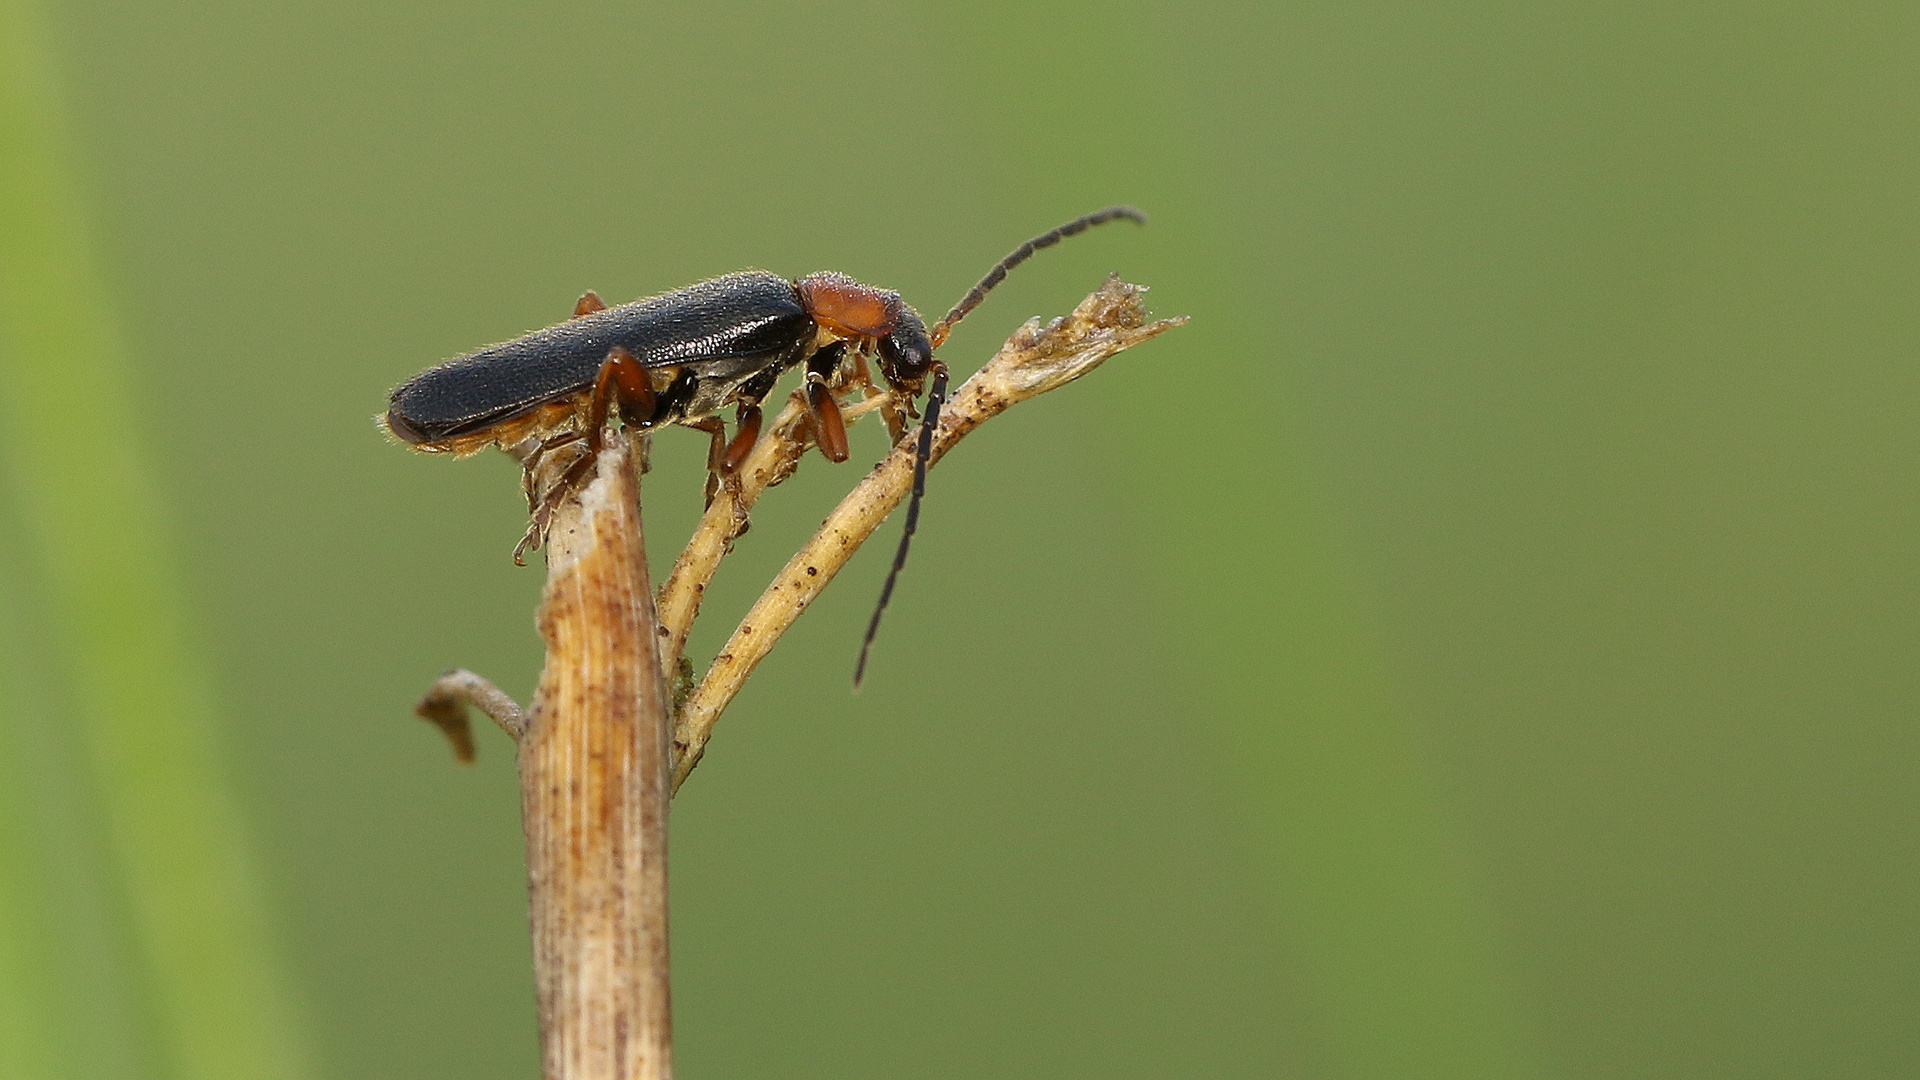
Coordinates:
906 354
861 313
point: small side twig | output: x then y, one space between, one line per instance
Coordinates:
445 704
1036 359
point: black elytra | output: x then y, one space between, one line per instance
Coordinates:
732 324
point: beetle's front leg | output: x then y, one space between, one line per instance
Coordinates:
829 427
746 433
890 413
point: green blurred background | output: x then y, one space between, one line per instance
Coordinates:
1482 644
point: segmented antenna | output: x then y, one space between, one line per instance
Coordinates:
1021 254
937 395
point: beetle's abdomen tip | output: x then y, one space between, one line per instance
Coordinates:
402 428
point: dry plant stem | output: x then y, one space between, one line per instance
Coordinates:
1036 359
594 793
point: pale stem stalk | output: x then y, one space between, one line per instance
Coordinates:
594 794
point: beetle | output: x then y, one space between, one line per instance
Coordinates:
683 356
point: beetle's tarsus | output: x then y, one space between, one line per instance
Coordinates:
532 463
542 511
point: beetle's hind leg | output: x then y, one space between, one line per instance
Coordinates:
541 504
530 466
623 385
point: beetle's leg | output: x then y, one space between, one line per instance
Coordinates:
750 395
746 433
829 428
896 420
590 302
556 493
719 477
532 462
542 510
542 516
562 439
624 381
716 430
862 377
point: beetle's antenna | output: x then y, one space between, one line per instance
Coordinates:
938 394
936 397
1021 254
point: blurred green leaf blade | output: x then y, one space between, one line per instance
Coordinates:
93 521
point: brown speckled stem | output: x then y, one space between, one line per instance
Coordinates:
594 794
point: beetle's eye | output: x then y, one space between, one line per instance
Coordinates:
907 354
890 353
